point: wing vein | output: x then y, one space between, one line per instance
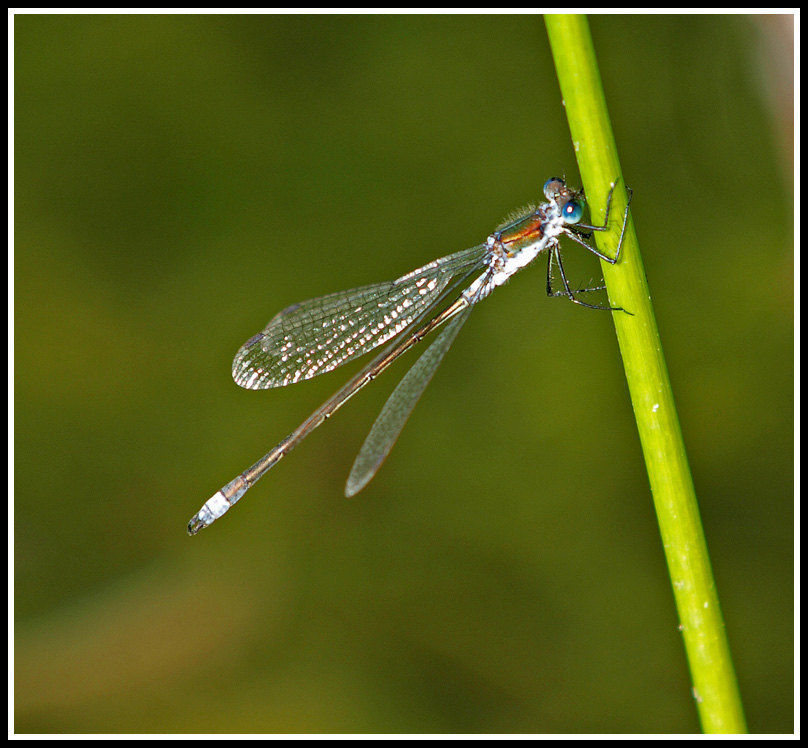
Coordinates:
318 335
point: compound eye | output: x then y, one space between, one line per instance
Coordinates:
553 187
572 211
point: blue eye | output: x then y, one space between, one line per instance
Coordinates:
552 187
572 211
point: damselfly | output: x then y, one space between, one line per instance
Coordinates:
318 335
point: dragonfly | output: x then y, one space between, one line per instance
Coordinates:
316 336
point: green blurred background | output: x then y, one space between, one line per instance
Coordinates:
179 179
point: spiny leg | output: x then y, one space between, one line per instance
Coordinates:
566 291
575 233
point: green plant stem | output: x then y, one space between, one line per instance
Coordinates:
715 687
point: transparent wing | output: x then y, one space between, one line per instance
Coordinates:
399 405
318 335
